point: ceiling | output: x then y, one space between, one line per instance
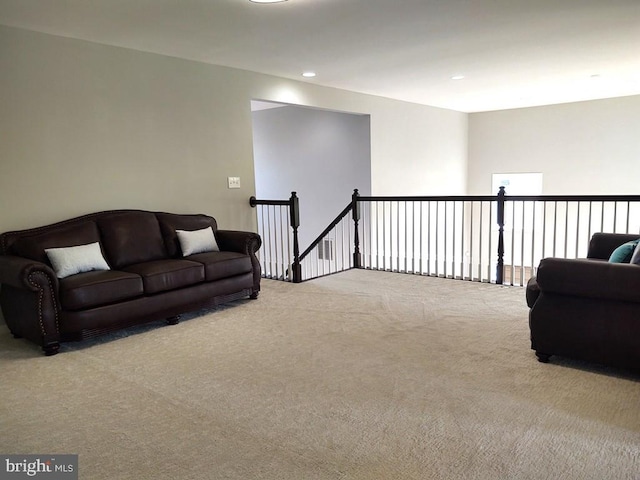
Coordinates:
512 53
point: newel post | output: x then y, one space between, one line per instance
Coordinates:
294 212
355 211
500 266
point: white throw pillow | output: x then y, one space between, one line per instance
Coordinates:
71 260
197 241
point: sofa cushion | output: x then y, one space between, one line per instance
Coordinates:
33 246
168 274
222 264
170 222
131 237
68 261
92 289
624 252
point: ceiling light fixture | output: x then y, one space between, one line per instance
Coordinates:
267 1
309 74
457 77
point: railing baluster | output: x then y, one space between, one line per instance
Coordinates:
533 237
397 236
420 236
471 223
384 235
462 243
577 228
500 211
522 265
545 235
406 236
555 226
378 234
453 241
590 231
446 230
628 217
489 265
512 262
566 228
289 274
437 251
480 237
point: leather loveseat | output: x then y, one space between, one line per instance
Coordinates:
587 309
142 273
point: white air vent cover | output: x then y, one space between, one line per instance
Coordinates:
325 250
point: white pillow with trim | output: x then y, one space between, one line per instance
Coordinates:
197 241
68 261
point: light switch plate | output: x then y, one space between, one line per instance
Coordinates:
234 182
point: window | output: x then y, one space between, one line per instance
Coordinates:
517 183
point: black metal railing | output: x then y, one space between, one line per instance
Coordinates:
496 239
536 227
278 222
447 236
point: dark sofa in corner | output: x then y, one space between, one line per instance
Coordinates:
587 309
148 277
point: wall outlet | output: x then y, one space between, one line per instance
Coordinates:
234 182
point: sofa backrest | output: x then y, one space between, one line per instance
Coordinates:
131 237
170 222
32 243
602 245
125 236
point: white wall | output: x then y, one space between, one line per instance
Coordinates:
86 127
580 148
319 154
418 151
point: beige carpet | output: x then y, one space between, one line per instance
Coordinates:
362 375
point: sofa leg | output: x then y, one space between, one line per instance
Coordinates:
173 320
51 349
543 357
15 335
254 295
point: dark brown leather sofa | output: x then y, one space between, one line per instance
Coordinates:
587 309
148 279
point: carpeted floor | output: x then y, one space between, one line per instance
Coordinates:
361 375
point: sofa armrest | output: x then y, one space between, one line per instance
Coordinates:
589 278
243 242
29 301
24 273
532 291
238 241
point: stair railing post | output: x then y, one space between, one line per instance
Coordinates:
500 266
294 212
355 210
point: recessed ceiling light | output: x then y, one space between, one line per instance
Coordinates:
267 1
309 74
457 77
